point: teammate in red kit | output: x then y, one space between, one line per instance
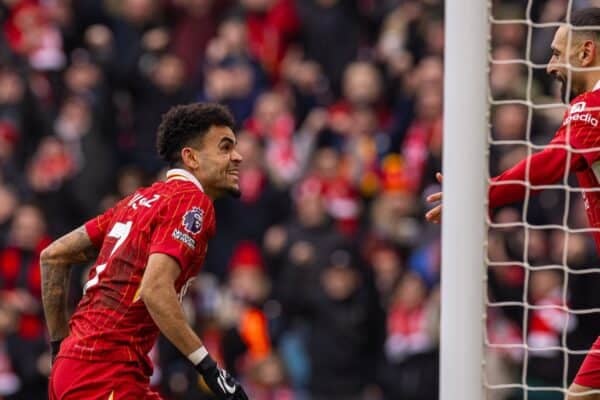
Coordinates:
574 148
149 247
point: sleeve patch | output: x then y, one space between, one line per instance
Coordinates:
192 220
184 238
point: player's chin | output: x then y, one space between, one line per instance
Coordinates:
234 191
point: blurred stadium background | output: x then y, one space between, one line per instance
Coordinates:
323 279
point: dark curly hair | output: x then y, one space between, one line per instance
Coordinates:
182 124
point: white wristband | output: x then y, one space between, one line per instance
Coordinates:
197 355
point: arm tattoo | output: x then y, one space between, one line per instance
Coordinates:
55 263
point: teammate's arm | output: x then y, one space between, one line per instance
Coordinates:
546 167
55 263
157 291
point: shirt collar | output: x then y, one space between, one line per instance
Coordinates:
183 175
596 86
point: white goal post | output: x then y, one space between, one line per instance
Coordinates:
465 176
538 356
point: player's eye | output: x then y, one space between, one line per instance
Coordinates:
226 147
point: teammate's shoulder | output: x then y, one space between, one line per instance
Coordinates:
169 193
179 189
182 193
170 190
586 100
584 110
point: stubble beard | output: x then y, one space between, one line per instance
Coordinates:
234 192
572 93
567 97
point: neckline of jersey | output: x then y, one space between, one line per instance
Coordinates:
596 86
183 175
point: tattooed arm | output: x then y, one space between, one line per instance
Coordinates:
56 261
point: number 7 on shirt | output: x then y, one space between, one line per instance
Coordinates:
119 231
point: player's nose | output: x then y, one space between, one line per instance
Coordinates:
236 157
552 68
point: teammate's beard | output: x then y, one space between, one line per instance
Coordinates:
234 192
568 97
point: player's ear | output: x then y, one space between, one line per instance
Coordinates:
190 157
587 54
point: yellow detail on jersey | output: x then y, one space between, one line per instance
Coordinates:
177 177
136 296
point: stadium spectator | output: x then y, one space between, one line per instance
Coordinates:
246 340
411 343
272 25
345 325
20 290
327 24
547 324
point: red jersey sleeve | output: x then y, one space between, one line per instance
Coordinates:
96 227
550 165
184 226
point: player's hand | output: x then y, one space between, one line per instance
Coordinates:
223 385
435 214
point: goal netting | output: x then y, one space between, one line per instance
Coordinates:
542 292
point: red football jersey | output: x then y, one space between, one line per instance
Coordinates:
574 148
173 217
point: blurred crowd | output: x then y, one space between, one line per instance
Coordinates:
323 279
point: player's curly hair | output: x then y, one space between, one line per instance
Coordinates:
184 123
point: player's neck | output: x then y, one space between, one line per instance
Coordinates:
181 173
210 193
184 174
592 81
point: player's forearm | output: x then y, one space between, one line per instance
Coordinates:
55 280
543 168
55 263
164 308
161 302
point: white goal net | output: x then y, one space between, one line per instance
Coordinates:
542 269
